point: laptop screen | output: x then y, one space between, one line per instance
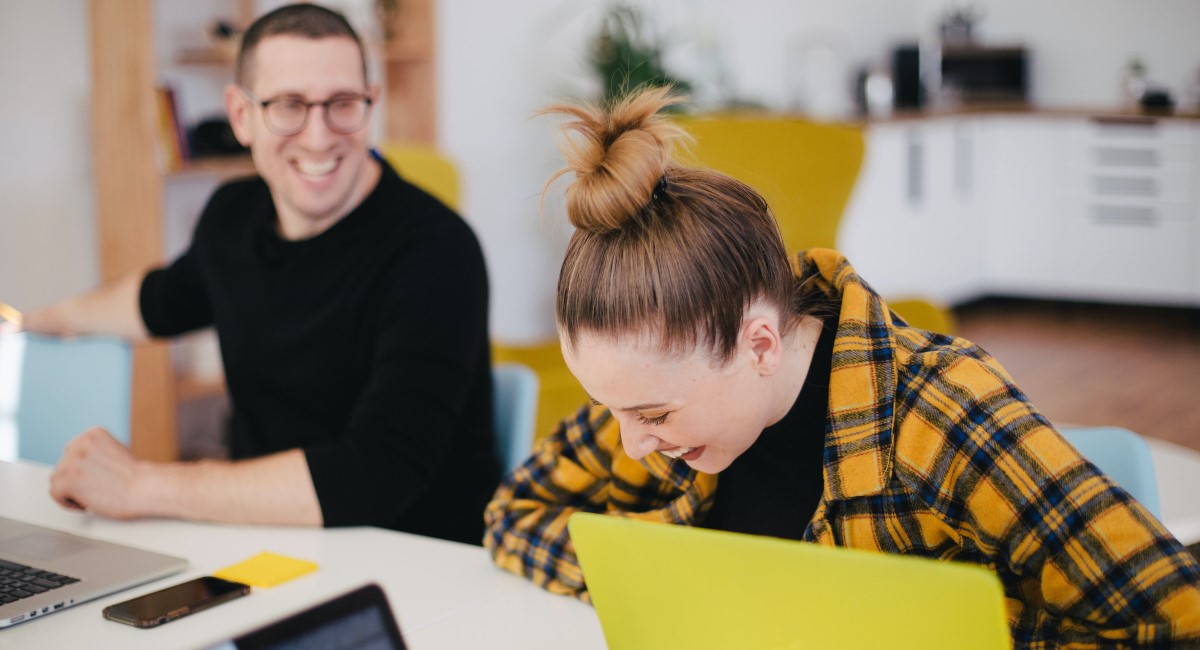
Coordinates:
359 619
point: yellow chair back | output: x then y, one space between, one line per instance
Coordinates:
805 170
426 168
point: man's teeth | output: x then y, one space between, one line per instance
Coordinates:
676 452
315 168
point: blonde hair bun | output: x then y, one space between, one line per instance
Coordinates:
618 156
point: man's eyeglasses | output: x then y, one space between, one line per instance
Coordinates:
285 116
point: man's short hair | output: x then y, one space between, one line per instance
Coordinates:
307 20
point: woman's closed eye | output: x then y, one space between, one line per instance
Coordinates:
656 420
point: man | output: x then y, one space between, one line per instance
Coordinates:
351 308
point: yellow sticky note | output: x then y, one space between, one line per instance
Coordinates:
266 570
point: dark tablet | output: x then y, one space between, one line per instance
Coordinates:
359 619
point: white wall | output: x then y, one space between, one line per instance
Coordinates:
499 62
47 237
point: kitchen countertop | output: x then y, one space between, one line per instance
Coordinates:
1114 114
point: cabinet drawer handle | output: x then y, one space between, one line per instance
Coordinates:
1125 186
1125 157
914 182
1121 215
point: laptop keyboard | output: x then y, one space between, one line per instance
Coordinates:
18 581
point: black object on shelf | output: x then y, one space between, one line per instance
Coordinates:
214 138
906 76
1157 101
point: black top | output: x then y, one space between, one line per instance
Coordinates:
773 488
365 345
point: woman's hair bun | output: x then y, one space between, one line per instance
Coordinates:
618 154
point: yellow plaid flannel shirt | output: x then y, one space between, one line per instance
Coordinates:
930 450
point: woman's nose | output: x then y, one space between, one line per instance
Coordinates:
637 444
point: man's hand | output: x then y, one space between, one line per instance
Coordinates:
10 319
51 321
97 474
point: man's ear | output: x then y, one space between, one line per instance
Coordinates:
761 338
237 106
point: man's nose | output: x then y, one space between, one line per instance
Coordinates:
315 130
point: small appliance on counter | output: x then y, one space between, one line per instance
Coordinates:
986 74
966 74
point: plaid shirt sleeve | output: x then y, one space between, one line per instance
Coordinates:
1083 563
581 468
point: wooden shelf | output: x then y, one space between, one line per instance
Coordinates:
222 166
189 388
208 56
409 62
418 51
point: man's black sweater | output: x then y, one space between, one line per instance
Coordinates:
366 346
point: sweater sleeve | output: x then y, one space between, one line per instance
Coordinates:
173 299
431 337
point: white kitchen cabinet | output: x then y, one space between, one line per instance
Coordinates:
1020 204
1130 214
910 228
1039 205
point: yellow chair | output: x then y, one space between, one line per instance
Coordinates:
426 168
925 314
806 171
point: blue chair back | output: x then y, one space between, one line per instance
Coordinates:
515 403
52 390
1123 456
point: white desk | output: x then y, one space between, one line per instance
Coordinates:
445 595
1178 472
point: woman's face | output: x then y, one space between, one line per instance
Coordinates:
678 405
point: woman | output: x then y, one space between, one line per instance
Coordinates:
736 391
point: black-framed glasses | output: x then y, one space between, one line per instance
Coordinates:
288 115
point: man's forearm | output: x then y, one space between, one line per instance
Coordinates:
274 489
112 309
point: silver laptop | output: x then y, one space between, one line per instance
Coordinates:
43 570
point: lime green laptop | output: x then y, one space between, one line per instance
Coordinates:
662 586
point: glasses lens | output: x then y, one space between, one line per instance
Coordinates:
346 114
286 115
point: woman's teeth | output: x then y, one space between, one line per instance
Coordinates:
676 452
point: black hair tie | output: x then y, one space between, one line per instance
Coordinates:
659 188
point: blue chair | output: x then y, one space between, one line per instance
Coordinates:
52 390
1123 456
514 402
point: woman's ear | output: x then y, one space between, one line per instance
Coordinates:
762 341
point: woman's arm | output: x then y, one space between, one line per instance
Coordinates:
1083 563
581 468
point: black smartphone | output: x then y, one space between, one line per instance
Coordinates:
174 602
